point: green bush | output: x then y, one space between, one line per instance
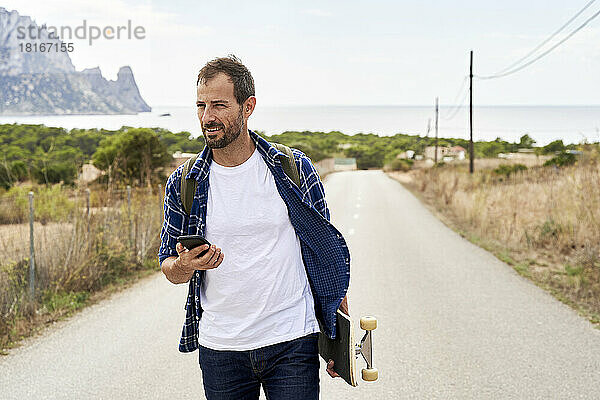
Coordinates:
56 172
561 160
313 153
14 279
64 301
553 147
399 164
51 204
367 156
14 206
507 169
115 265
549 231
12 172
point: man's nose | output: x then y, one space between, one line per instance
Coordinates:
207 115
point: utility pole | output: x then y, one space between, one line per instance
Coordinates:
471 154
436 130
31 250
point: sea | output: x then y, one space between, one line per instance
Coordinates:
572 124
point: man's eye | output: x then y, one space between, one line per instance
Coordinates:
200 105
220 105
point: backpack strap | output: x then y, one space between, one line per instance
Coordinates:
188 186
288 163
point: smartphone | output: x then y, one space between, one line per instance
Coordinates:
192 241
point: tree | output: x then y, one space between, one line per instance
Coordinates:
134 153
489 149
56 165
86 140
553 147
54 162
180 141
367 157
526 142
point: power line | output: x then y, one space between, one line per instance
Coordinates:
456 108
451 113
512 71
526 56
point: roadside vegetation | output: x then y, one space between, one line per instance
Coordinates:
135 156
79 256
543 219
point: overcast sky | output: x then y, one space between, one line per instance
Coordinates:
342 52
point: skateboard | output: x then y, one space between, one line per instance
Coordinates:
344 352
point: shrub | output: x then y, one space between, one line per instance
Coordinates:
11 173
549 231
55 172
553 147
367 156
14 280
399 164
50 204
64 301
14 208
506 169
313 153
561 160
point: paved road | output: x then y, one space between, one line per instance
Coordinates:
454 322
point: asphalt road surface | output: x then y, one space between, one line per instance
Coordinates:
454 322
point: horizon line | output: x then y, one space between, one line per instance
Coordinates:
400 105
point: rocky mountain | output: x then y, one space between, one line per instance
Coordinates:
46 82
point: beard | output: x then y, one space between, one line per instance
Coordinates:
229 133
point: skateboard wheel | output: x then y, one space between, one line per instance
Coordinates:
370 374
368 323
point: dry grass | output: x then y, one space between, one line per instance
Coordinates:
75 254
544 221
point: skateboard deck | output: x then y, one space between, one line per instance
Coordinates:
341 349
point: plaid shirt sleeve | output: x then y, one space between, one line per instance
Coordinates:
174 218
312 187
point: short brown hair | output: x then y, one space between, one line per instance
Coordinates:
243 83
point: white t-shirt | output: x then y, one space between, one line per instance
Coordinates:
259 295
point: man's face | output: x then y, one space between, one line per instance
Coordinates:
220 115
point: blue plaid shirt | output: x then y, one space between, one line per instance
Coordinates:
324 250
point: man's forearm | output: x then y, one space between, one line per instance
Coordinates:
173 273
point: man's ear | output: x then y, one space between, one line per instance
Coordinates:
249 105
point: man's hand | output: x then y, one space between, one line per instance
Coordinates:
344 306
188 260
344 309
180 269
330 370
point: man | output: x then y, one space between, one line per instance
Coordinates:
276 270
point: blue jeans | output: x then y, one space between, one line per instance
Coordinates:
287 371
